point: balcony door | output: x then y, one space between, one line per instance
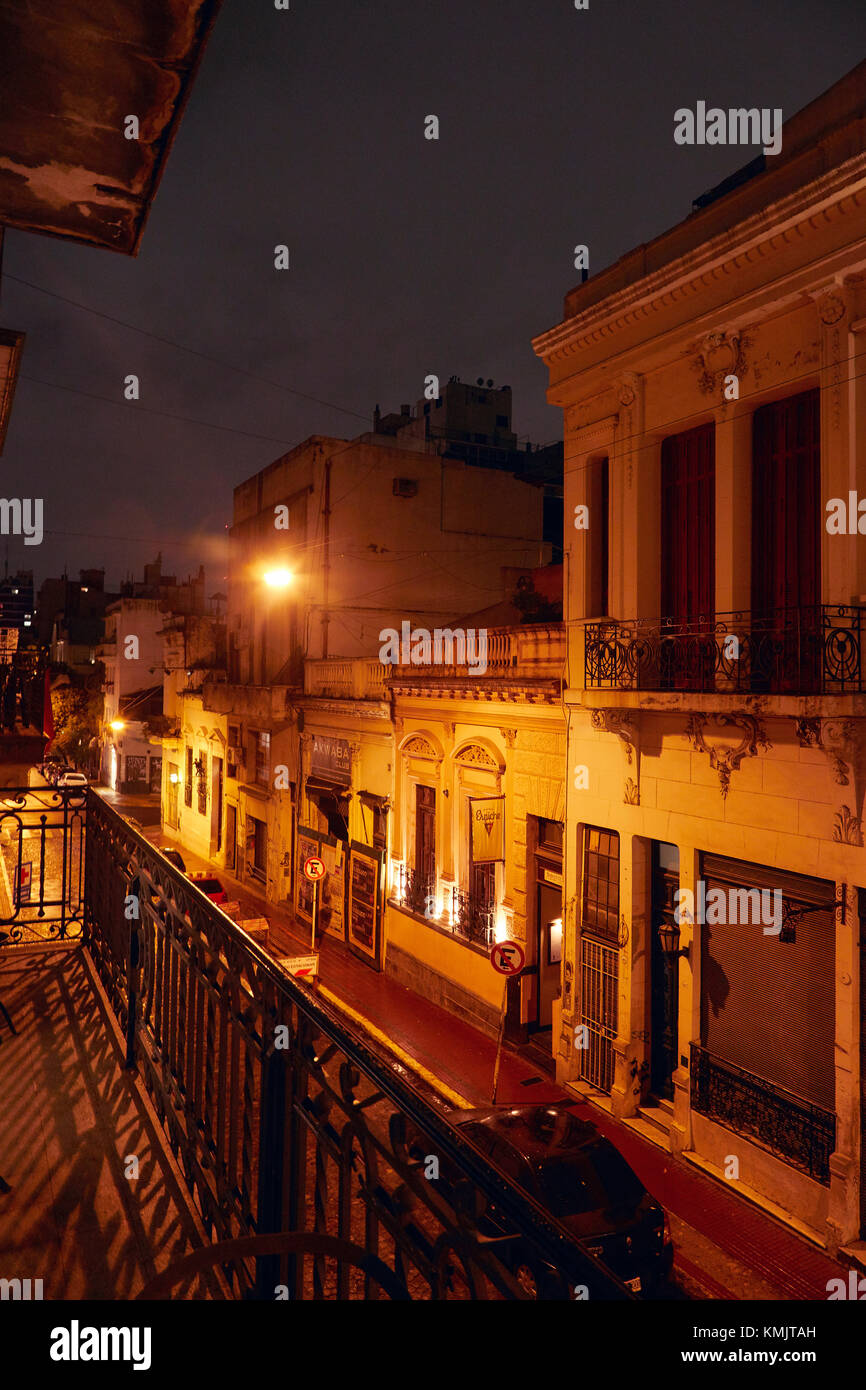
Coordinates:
786 637
425 836
688 529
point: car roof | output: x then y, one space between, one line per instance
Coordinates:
537 1131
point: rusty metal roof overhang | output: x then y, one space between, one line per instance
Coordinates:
70 74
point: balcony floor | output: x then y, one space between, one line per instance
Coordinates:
69 1117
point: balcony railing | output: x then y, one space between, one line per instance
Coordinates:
473 917
533 651
304 1152
801 1133
360 678
813 650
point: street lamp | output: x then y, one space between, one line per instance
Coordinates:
278 578
117 725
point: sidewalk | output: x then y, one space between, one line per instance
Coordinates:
726 1247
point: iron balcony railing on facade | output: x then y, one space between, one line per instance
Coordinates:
802 1134
310 1159
416 890
473 917
811 650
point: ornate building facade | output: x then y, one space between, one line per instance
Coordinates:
715 424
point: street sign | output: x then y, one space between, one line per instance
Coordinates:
507 957
23 882
314 868
301 967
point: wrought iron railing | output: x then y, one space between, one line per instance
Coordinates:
801 1133
473 917
41 864
416 891
318 1170
816 649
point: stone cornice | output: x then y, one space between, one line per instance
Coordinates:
758 236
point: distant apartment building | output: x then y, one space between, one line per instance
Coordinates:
715 605
133 658
69 619
332 544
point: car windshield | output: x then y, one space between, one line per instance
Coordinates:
593 1179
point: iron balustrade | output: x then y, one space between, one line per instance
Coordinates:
803 1134
310 1159
416 891
41 863
473 917
815 649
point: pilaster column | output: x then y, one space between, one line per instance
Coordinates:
837 345
843 1211
689 1011
733 538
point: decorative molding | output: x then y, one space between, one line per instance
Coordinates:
849 828
613 721
627 392
834 737
720 355
632 792
831 307
726 760
510 737
419 747
478 756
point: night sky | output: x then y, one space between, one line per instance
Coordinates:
408 256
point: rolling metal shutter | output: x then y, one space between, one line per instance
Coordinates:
768 1005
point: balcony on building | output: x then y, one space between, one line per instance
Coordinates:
794 654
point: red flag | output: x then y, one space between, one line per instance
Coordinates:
47 715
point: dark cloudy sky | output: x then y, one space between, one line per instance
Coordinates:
407 256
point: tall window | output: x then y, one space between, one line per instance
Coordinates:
786 545
187 781
201 778
263 759
598 497
425 833
601 882
688 526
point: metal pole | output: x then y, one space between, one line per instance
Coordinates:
315 912
499 1040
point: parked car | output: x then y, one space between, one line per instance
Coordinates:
210 886
67 778
173 856
579 1176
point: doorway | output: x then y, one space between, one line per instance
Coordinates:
664 970
548 921
231 834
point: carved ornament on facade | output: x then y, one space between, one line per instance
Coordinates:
831 307
848 829
632 792
510 737
627 391
478 756
613 721
419 747
836 738
720 355
725 758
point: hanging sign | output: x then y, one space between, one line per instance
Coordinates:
487 818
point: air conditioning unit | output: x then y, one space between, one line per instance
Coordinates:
405 487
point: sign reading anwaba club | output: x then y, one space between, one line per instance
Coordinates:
332 759
488 828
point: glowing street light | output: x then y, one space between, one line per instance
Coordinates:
117 724
278 578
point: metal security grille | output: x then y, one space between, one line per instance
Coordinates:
599 980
